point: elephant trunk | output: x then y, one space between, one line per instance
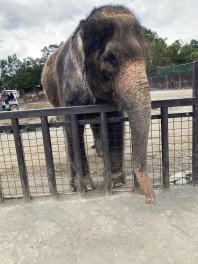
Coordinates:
133 95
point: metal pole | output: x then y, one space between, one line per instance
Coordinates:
165 147
77 153
1 194
195 125
20 159
106 153
48 156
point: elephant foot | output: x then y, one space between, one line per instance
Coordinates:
118 179
87 184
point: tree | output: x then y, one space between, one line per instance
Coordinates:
29 74
160 54
9 68
157 49
46 51
21 74
180 53
149 34
194 44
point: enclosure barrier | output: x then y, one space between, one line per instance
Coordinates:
171 77
165 151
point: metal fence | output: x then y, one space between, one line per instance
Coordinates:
171 77
34 160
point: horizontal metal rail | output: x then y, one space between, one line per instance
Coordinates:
33 126
90 109
174 102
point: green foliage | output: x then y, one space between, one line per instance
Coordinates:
29 73
26 73
157 53
157 49
161 54
46 51
150 35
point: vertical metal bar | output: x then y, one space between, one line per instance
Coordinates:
20 159
165 147
77 153
1 194
106 153
48 156
195 126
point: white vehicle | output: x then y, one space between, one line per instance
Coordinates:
7 104
14 92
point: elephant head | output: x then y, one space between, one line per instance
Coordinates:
107 53
115 63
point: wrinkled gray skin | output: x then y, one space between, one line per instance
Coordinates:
104 61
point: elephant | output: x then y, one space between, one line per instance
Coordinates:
103 61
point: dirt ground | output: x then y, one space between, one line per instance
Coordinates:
155 95
180 139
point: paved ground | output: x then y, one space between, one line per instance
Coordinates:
102 230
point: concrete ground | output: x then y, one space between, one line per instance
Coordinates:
102 230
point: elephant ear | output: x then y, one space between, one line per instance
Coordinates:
77 52
77 56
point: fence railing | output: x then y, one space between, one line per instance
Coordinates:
171 77
29 150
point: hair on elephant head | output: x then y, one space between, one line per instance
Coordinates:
104 61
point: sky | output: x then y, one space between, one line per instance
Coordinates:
27 26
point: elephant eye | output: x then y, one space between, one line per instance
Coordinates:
110 58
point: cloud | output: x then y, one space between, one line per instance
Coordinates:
170 19
27 26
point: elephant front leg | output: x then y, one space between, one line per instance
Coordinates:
97 139
115 136
115 131
70 151
86 179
